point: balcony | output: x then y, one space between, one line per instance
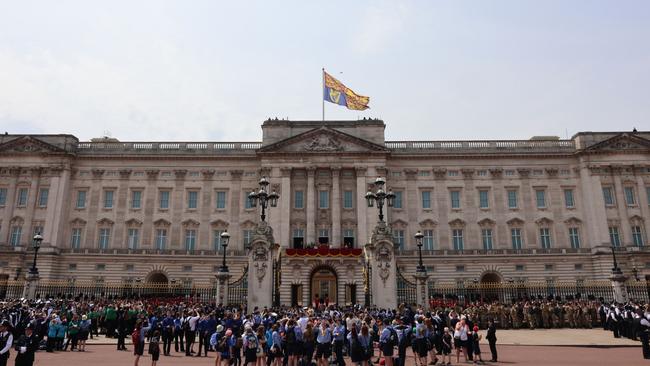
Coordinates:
482 147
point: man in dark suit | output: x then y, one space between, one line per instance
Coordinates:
492 339
26 346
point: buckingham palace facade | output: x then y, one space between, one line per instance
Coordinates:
543 209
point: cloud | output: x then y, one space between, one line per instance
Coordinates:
380 24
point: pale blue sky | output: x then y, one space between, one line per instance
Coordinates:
212 70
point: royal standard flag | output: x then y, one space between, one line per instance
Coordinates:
335 92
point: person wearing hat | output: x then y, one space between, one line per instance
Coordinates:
84 330
6 340
26 346
216 343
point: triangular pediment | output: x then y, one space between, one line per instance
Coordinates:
624 142
323 140
28 145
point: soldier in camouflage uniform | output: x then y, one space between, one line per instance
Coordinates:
514 316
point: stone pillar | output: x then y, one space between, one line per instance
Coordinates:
621 205
236 206
618 285
222 286
422 291
285 207
260 267
381 253
362 207
28 233
31 283
9 206
595 225
56 215
311 206
336 208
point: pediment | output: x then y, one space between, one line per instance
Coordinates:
219 223
486 222
134 222
515 222
428 223
78 221
162 222
624 142
28 145
105 222
190 223
323 140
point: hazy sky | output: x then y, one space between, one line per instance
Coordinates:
211 70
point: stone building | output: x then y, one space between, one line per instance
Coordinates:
542 209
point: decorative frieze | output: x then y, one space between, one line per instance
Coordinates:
440 173
97 173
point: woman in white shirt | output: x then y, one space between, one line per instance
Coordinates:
461 338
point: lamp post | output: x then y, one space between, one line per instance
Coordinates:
418 240
225 237
263 197
615 269
380 196
36 244
618 280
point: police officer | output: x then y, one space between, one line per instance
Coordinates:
6 340
26 346
643 333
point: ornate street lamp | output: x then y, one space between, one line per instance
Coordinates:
380 196
615 269
263 197
225 237
36 244
418 240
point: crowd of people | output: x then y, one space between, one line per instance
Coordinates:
444 333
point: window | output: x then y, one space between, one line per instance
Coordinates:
608 196
81 199
509 172
136 199
397 201
457 236
22 197
187 268
247 202
512 199
578 266
108 199
216 240
75 240
298 199
347 199
574 237
72 266
426 199
455 199
323 236
323 199
427 240
161 239
163 198
483 199
540 197
424 173
348 238
38 229
637 236
460 268
221 200
190 239
104 238
248 237
398 238
3 196
515 235
192 199
630 200
614 238
100 267
486 236
452 173
647 193
481 173
133 238
519 267
298 238
42 197
16 232
548 267
568 198
545 237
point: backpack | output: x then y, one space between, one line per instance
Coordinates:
392 338
251 341
135 336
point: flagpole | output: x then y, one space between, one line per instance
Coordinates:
322 96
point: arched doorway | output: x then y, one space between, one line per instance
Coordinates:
156 284
490 286
323 282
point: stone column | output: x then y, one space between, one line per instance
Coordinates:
621 205
31 283
236 206
58 207
421 277
336 207
410 202
260 267
26 237
208 205
311 206
120 207
285 207
222 287
643 200
150 199
618 285
177 207
595 223
362 206
9 205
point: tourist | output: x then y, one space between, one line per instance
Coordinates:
476 349
262 348
84 330
324 343
250 345
446 346
492 339
154 347
387 343
460 339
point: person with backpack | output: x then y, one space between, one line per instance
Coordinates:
261 349
387 342
189 327
404 340
215 341
250 345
